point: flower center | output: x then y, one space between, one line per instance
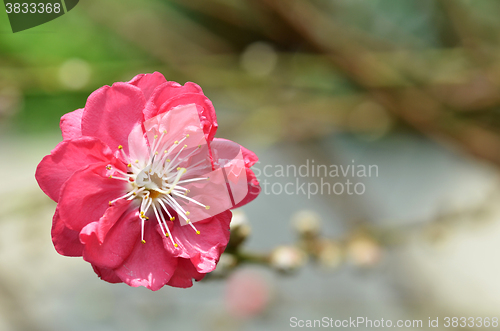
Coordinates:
157 181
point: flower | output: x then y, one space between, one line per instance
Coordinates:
143 189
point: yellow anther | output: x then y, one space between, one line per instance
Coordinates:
143 241
165 152
197 232
187 213
129 165
176 245
156 136
110 203
136 161
156 153
208 178
207 207
188 220
110 176
108 167
166 235
164 131
178 168
185 146
199 146
176 142
142 213
168 160
187 136
172 218
147 218
120 147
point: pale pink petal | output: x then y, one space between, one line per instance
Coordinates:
221 144
117 243
181 123
203 249
68 157
111 113
148 82
86 195
66 241
204 107
71 124
107 275
222 189
149 265
184 274
138 146
222 151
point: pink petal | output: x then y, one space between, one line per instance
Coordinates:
106 274
118 241
85 196
203 249
253 189
221 145
184 274
165 92
224 187
149 265
71 124
223 150
148 82
66 241
111 113
181 124
204 106
111 216
69 156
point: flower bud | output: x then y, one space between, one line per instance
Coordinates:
287 258
330 254
307 223
240 229
364 251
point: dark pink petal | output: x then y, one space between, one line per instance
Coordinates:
71 124
148 82
86 195
106 274
165 92
223 146
118 241
203 249
66 241
204 106
184 274
253 189
149 265
68 157
111 113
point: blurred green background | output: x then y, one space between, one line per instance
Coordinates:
412 86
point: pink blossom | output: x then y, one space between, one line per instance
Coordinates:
143 189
